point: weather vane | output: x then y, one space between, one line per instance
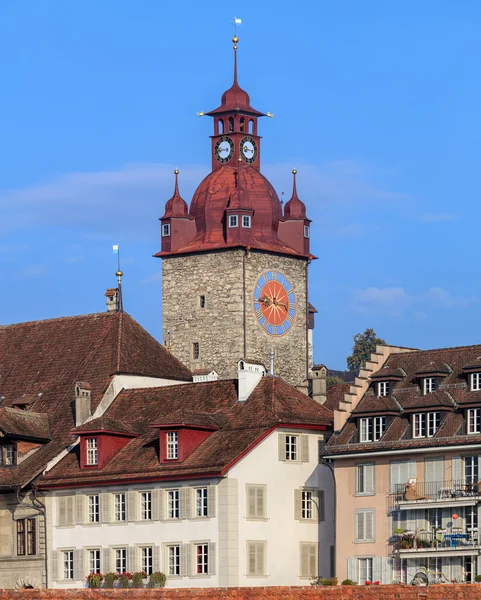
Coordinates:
236 22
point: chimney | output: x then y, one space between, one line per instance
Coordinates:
112 295
250 373
319 383
83 402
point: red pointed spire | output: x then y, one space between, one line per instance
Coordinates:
176 206
295 208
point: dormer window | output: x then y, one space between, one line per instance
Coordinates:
383 388
172 441
92 451
371 429
306 231
246 221
475 382
165 229
7 454
429 385
233 220
426 424
474 420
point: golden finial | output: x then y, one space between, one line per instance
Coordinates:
294 171
235 39
119 273
270 115
176 171
201 114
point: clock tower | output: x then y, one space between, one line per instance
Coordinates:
234 263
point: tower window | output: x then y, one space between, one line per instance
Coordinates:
251 126
233 220
195 350
242 123
231 124
246 221
220 126
306 231
165 229
202 301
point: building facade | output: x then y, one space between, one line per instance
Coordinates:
235 263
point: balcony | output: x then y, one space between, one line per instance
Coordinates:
425 494
449 542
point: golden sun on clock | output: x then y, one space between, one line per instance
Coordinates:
274 303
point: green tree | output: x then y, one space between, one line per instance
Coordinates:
364 344
333 380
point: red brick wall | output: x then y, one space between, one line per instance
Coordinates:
383 592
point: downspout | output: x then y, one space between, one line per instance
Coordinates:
307 324
330 465
244 258
41 508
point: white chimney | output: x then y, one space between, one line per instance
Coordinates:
250 373
83 402
112 296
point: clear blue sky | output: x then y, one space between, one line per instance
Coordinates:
377 104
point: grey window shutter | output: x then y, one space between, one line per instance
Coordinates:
78 565
304 448
282 446
211 501
376 568
262 558
360 530
313 561
55 562
105 507
156 559
351 569
157 505
185 503
261 502
62 510
297 504
79 508
457 469
369 478
411 470
251 558
321 505
251 502
386 571
132 559
185 560
70 512
131 498
106 566
369 531
305 560
212 559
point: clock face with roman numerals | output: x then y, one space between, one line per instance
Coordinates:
274 303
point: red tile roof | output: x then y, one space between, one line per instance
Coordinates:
24 424
46 358
335 394
240 424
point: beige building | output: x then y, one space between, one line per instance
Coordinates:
406 458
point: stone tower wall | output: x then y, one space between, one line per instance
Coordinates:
227 280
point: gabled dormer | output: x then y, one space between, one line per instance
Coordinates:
22 433
430 377
385 380
178 440
473 377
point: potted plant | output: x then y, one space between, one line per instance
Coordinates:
138 579
94 580
109 580
157 580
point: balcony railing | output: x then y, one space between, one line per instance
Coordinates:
423 491
448 539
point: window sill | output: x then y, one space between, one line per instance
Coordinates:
200 576
200 518
362 494
258 519
364 541
257 576
64 526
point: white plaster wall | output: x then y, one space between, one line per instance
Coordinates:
281 531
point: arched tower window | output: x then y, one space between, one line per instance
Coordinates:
220 126
242 124
251 126
231 124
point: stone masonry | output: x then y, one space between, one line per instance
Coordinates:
227 326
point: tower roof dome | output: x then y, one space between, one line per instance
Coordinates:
295 208
176 206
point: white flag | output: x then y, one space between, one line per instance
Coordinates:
237 21
115 248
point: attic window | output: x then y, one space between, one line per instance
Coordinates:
233 219
429 385
246 221
7 455
165 229
475 382
371 429
426 424
306 231
383 388
172 441
92 451
474 420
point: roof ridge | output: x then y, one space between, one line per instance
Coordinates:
119 342
58 319
438 349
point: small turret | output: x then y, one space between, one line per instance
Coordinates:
177 226
294 227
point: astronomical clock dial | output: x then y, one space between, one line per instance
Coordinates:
248 149
224 149
274 303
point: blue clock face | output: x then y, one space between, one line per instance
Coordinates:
274 303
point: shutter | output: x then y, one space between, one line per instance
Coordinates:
185 560
376 568
185 502
386 570
313 560
282 446
304 448
211 501
62 510
211 565
457 472
156 567
251 558
261 558
411 468
321 505
297 504
369 531
369 479
305 560
70 512
251 502
157 505
351 569
79 508
131 498
360 535
106 564
104 507
132 559
55 562
261 502
78 565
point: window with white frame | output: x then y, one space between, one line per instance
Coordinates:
246 221
93 508
365 479
471 468
365 569
146 559
94 560
307 506
173 560
120 560
429 384
201 502
92 451
426 424
256 559
145 506
475 382
256 501
26 537
383 388
291 447
233 220
165 229
306 231
474 420
67 564
202 559
7 454
172 445
365 525
119 507
173 501
371 429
